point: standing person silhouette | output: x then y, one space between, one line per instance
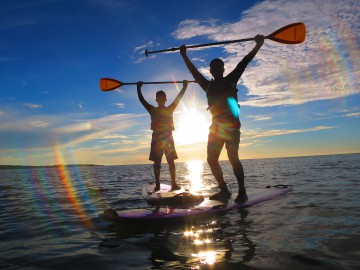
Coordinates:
223 104
162 125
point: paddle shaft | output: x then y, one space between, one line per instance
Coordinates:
165 82
290 34
201 45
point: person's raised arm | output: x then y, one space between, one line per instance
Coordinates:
199 78
237 72
141 97
259 39
180 95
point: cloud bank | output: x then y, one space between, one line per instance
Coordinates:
325 66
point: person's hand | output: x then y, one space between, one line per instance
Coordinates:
183 50
259 39
185 83
139 84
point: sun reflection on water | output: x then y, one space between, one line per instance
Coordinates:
195 170
201 240
206 257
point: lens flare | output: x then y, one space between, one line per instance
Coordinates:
332 70
337 65
234 106
40 189
72 189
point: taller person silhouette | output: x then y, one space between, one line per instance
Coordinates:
221 93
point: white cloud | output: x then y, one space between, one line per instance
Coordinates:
114 136
258 133
64 129
198 59
356 114
259 117
140 50
141 59
192 28
33 106
36 124
325 66
143 47
119 105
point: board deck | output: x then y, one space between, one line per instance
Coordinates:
207 209
164 192
165 196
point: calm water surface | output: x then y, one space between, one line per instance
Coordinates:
49 219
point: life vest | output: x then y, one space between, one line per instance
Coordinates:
222 101
162 119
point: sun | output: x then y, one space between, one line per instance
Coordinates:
191 127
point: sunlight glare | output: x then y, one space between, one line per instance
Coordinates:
191 127
200 242
206 257
195 170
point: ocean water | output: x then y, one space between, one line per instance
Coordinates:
49 218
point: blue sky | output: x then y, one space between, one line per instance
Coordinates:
295 99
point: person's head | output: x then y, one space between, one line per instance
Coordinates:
161 98
217 68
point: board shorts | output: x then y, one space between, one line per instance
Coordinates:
218 136
162 143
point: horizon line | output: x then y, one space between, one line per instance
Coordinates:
93 165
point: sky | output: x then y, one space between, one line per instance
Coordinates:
295 100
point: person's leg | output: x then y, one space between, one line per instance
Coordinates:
156 153
238 169
213 161
232 148
171 155
214 148
172 171
157 167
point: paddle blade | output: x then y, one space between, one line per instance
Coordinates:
291 34
107 84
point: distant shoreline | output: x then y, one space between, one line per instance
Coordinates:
16 167
6 167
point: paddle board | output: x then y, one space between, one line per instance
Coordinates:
168 197
207 209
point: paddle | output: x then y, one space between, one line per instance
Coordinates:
290 34
107 84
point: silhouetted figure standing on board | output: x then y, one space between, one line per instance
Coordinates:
222 100
162 125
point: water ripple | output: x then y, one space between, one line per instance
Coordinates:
48 219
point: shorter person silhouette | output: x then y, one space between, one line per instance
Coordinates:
162 125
